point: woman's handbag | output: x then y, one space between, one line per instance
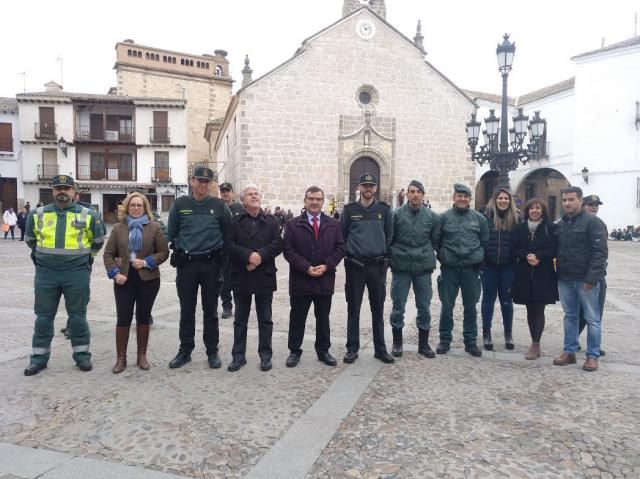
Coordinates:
5 227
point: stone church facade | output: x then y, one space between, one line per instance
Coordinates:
357 96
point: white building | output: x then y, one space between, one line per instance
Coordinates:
110 144
10 178
593 137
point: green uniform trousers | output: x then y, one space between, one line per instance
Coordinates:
49 286
467 280
400 284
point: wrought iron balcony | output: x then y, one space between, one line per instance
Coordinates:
159 134
120 135
161 174
45 130
47 172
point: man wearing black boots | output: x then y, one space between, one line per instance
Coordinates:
416 234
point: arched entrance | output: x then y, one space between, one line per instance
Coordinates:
485 188
364 164
544 183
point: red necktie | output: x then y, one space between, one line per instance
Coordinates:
315 226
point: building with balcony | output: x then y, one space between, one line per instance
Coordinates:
110 144
10 184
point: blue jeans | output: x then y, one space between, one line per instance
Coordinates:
422 291
574 296
496 282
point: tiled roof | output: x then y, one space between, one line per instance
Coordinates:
95 98
614 46
8 104
480 95
547 91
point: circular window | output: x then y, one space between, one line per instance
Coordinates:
367 96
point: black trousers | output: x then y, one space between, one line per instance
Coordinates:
225 290
241 320
373 276
298 317
135 293
190 276
535 319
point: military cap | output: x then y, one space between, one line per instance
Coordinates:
591 199
368 179
63 180
460 188
203 173
226 186
417 184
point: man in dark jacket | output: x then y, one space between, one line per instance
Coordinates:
252 242
313 246
581 265
416 235
367 228
464 235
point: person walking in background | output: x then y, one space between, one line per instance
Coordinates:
416 235
140 246
10 220
253 242
22 222
464 235
497 275
313 246
581 265
535 284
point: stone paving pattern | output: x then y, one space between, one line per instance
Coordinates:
455 416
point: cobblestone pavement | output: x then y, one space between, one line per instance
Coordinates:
454 416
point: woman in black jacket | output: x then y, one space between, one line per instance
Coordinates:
535 285
497 276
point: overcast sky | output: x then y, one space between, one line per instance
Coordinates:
460 36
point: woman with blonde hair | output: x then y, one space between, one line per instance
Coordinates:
497 276
132 256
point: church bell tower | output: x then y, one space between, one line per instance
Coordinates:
377 6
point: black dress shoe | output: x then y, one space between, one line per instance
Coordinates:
443 348
293 360
236 364
226 313
84 365
327 359
214 361
384 356
265 364
473 350
180 360
34 369
350 357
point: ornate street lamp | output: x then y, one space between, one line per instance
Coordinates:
505 148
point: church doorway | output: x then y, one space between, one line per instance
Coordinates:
485 188
364 164
544 183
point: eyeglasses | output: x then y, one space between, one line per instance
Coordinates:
135 206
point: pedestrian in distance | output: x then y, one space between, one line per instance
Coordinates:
464 235
535 284
63 237
416 235
22 222
132 257
497 274
367 227
226 295
197 224
581 265
10 221
253 242
313 246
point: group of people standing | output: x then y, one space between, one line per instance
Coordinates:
527 261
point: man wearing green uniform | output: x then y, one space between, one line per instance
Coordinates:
196 230
416 235
64 237
464 235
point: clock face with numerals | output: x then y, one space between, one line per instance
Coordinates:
366 29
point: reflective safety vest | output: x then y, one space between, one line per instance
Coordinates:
77 237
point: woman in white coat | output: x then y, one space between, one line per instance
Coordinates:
11 219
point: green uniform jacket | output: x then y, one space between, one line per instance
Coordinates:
464 235
367 231
416 235
236 209
198 227
92 231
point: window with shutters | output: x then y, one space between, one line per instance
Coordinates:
161 170
49 167
160 128
45 196
6 137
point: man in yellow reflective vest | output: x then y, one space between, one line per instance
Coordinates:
64 237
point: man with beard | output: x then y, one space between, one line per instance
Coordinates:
464 235
64 237
367 228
